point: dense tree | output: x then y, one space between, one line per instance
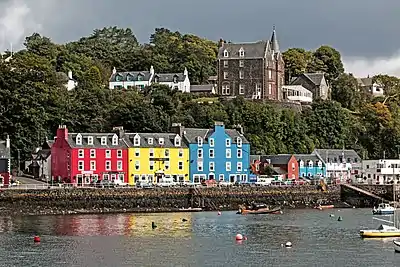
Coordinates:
296 62
328 60
345 91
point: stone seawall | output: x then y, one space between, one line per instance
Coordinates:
89 200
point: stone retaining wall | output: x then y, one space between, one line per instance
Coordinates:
88 200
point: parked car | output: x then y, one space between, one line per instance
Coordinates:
104 184
144 184
165 182
264 181
224 183
119 183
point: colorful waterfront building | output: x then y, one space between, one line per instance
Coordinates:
217 153
155 156
5 162
311 166
83 158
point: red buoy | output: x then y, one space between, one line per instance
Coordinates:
36 239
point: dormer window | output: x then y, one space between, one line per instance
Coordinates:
199 141
301 163
103 140
140 77
310 163
115 140
319 163
175 79
136 140
161 141
118 78
241 52
90 140
239 142
129 78
226 53
79 139
177 140
150 140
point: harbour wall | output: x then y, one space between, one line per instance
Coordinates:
91 200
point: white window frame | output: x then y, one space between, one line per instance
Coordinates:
241 63
177 141
226 64
136 140
151 165
150 140
211 142
180 165
166 153
226 75
161 141
180 153
211 166
270 89
92 153
226 89
200 166
137 152
107 165
92 165
108 154
115 140
151 152
166 165
241 74
239 166
270 74
239 153
211 153
119 153
104 140
200 153
106 176
228 153
120 165
90 140
228 166
258 87
241 52
199 141
81 165
137 163
121 177
226 53
241 89
81 153
239 141
78 140
228 142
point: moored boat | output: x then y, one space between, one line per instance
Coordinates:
383 209
259 209
382 231
324 207
190 209
396 246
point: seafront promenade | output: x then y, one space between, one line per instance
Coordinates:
94 200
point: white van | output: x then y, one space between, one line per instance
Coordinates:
166 182
262 181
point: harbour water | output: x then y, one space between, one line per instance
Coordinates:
205 239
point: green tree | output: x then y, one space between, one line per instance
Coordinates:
296 62
345 91
328 60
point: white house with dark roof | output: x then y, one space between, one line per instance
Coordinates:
141 79
371 87
297 93
315 83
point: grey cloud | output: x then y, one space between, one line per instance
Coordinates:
357 28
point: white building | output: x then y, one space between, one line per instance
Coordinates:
381 171
340 164
297 93
71 83
141 79
371 87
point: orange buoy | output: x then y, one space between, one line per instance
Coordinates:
239 237
36 239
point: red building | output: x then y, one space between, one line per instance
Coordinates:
5 162
284 164
82 158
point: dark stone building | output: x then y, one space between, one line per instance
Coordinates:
252 70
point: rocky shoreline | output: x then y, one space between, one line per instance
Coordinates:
120 200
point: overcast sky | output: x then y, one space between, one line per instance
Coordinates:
366 32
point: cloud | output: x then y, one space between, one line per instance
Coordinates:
362 67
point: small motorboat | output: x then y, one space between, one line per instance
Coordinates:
382 231
383 209
324 207
396 246
259 209
190 209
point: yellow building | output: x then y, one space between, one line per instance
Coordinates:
155 156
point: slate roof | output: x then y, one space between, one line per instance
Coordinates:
281 159
4 152
307 157
364 81
96 140
168 77
315 78
191 135
206 88
131 75
251 50
169 140
331 154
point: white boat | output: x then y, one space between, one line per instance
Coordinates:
396 246
383 209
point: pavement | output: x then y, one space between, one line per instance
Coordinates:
25 180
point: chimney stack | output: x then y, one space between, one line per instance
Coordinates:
177 128
8 144
119 130
221 43
114 71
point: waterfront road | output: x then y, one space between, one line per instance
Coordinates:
29 183
25 180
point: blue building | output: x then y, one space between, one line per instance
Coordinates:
217 153
310 166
